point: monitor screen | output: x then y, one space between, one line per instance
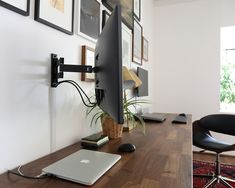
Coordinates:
108 68
142 90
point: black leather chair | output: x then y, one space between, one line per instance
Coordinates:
221 123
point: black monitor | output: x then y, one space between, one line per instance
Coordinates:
108 67
142 90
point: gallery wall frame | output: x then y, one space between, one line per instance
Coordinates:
137 43
127 10
88 19
19 6
126 41
56 14
145 48
105 17
137 9
88 58
126 46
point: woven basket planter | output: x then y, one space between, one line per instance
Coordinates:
110 128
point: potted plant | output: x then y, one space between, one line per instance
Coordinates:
110 127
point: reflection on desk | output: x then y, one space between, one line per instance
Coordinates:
163 158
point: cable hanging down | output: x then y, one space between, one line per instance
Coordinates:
19 173
80 91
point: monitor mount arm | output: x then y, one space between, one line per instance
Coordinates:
58 68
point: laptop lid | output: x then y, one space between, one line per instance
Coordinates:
83 166
154 117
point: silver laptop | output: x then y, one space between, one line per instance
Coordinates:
83 166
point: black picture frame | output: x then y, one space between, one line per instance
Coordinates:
137 9
89 12
127 10
105 16
137 43
40 19
16 9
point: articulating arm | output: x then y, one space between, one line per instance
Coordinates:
58 68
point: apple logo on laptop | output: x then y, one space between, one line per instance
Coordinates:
85 161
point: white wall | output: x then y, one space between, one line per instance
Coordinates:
147 20
29 108
187 48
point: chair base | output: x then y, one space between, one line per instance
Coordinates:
216 179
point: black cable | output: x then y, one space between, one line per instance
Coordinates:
66 81
81 90
76 86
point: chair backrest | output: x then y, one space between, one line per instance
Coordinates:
222 123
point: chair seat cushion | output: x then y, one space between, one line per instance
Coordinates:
206 141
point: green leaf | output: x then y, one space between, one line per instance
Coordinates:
142 123
98 114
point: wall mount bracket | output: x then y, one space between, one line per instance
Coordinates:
58 68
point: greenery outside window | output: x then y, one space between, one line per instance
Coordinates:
227 81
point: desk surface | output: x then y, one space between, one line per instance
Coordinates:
163 158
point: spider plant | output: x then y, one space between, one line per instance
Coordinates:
131 119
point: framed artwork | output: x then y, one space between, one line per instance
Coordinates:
57 14
127 10
137 43
88 58
137 9
126 41
126 46
145 48
89 12
19 6
105 17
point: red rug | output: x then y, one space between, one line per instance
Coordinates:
201 167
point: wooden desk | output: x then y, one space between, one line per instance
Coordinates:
163 159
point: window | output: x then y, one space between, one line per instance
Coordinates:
227 70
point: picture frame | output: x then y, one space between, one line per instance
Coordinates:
126 46
105 17
137 43
56 14
126 41
89 13
88 58
19 6
145 48
137 9
127 10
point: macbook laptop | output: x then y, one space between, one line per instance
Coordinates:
83 166
153 117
